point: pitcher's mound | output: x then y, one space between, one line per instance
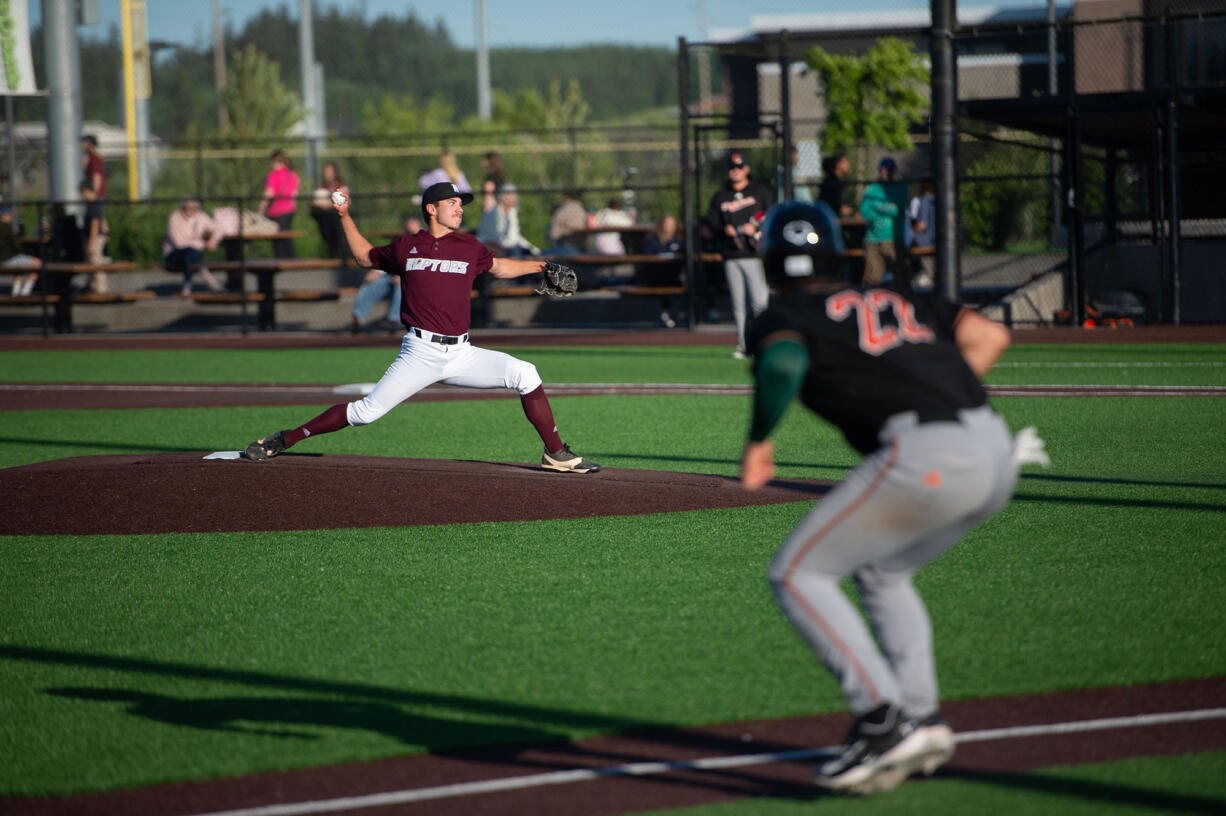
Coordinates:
184 493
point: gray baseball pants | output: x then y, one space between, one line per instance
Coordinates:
901 507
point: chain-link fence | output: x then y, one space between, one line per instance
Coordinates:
1092 144
1089 158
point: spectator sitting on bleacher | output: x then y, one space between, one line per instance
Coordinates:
189 233
612 214
499 229
11 255
666 239
567 229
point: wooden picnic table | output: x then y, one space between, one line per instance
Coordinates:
265 295
60 295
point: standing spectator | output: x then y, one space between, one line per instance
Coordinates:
835 170
884 206
494 170
325 214
736 213
189 233
447 170
94 172
11 256
666 240
568 226
93 191
495 177
922 214
379 285
280 189
499 227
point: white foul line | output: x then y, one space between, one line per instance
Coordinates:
709 763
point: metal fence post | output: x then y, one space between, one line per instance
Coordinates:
687 200
944 149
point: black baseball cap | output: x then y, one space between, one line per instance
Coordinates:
444 190
736 160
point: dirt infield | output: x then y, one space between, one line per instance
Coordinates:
998 739
184 493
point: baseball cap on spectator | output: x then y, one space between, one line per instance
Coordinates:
507 187
889 163
736 160
5 209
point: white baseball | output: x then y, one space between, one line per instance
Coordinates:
339 198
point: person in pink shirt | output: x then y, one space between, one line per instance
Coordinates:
280 190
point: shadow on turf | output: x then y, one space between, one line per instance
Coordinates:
289 717
379 709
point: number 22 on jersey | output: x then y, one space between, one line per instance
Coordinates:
876 339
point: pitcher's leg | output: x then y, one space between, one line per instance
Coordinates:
415 367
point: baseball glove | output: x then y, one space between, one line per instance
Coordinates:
558 280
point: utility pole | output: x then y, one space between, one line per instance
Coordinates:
306 63
219 68
704 62
63 56
483 62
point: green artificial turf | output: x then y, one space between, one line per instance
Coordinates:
139 659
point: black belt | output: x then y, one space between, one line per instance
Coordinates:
936 415
444 339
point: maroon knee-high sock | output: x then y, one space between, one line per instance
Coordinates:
536 408
330 420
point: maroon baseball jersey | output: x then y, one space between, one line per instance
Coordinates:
872 354
94 166
436 278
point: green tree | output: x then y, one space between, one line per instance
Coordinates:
260 106
871 99
528 110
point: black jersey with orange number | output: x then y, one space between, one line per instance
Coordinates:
874 353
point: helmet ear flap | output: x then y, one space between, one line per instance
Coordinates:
801 240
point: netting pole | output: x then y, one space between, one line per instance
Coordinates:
945 148
687 200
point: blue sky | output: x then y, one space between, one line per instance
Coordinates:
509 22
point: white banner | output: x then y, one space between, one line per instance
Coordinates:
16 63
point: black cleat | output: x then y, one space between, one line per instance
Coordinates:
265 448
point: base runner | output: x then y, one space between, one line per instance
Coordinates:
900 377
437 267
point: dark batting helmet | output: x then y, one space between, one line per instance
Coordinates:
801 240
